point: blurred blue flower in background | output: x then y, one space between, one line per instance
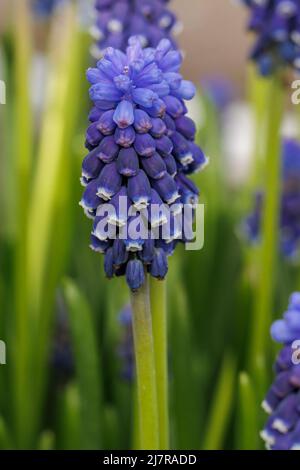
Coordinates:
45 8
118 20
142 148
126 348
62 355
277 25
290 204
219 90
282 430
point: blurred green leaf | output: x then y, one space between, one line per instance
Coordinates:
5 439
23 147
46 441
88 366
185 381
222 406
111 439
247 428
69 421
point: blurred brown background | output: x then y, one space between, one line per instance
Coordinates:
213 37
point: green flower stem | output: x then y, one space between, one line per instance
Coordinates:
145 368
159 320
136 426
266 277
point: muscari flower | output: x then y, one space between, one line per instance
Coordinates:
277 26
289 204
282 402
141 150
117 21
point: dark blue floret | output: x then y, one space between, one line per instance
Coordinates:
135 274
159 266
282 401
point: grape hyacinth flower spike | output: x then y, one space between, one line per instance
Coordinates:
277 26
141 151
282 402
117 21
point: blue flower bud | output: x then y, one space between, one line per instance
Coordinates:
125 137
142 121
170 123
92 165
124 115
175 107
120 202
159 265
135 275
164 146
139 190
158 109
158 128
144 145
166 188
181 150
186 90
157 210
109 181
144 97
186 127
93 135
106 123
95 114
154 166
128 162
109 263
97 245
200 161
108 149
120 254
147 253
90 199
100 91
